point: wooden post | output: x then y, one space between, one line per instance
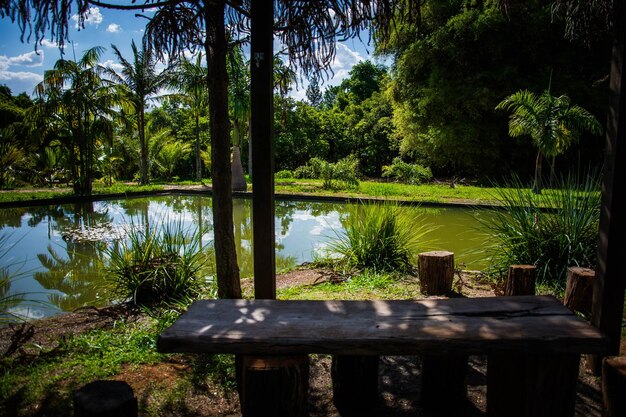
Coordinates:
610 282
355 384
105 399
276 386
262 136
521 385
521 280
444 382
436 272
579 289
614 386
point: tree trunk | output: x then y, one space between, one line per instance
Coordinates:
521 280
198 158
537 185
239 179
105 398
579 289
436 272
227 270
143 145
614 386
276 386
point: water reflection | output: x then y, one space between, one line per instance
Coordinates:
60 251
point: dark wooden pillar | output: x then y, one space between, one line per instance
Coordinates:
610 282
262 137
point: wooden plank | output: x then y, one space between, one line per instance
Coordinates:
398 327
262 137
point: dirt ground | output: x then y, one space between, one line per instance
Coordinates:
399 376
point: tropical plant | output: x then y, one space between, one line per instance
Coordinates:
382 237
76 104
189 77
157 265
407 173
342 174
239 103
140 83
552 122
553 230
170 156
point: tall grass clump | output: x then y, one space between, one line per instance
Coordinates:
552 230
157 265
381 237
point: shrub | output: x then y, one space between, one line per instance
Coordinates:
342 174
382 237
157 265
407 173
285 173
304 172
552 230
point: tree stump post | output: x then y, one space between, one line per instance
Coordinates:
521 280
614 386
276 386
436 272
444 382
105 399
524 385
579 289
355 384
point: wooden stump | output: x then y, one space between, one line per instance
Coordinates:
274 386
614 386
436 272
444 382
521 280
521 385
355 384
579 289
105 399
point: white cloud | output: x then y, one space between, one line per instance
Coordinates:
114 65
91 17
114 28
29 60
49 44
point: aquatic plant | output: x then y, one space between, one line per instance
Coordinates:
157 265
552 230
381 236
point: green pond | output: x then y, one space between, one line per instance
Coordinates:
56 255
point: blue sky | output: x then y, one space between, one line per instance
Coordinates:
21 67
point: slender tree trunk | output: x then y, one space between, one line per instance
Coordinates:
198 159
143 145
227 270
537 185
239 179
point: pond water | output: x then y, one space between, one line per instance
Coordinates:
56 255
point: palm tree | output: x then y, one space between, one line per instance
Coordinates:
239 109
77 104
190 79
141 83
552 122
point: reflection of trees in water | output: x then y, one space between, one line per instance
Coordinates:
77 270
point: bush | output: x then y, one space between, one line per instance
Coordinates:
382 237
552 230
342 174
407 173
304 172
157 266
285 173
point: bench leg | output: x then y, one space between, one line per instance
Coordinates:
521 385
276 386
444 382
355 384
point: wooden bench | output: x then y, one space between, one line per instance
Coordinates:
533 343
